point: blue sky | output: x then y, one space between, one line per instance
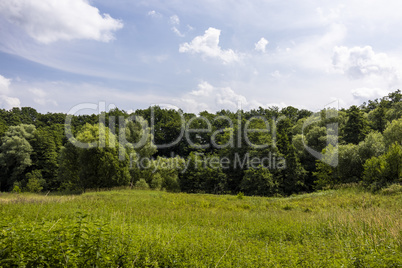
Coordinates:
197 55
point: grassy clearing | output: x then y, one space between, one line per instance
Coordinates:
127 228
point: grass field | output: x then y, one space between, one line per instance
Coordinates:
133 228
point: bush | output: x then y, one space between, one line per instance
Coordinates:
171 183
240 195
384 170
141 184
393 189
16 188
259 182
156 182
35 181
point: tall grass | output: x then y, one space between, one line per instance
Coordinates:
131 228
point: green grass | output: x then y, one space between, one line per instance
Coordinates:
131 228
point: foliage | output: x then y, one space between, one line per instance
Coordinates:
35 181
260 182
356 126
327 176
16 189
15 154
373 145
98 165
125 151
349 163
393 189
203 174
141 184
377 119
384 170
393 133
156 182
139 138
45 155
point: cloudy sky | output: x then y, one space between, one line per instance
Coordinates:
197 55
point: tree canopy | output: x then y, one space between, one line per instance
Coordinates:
266 151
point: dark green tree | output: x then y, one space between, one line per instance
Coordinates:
45 156
259 181
292 175
203 173
377 119
356 127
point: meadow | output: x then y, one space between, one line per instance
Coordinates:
137 228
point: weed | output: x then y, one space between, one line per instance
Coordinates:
135 228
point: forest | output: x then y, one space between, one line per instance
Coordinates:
258 152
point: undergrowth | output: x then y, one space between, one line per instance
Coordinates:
132 228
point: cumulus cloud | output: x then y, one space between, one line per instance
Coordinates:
4 85
7 102
48 21
261 45
212 99
208 46
360 62
204 89
377 73
365 93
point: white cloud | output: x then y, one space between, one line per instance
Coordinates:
190 28
174 20
7 102
279 105
364 93
38 92
376 73
154 14
312 52
204 89
177 32
360 62
261 45
61 96
212 99
330 15
48 21
4 85
208 45
40 97
276 74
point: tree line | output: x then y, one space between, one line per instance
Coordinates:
257 152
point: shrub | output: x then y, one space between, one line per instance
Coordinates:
16 188
393 189
384 170
142 184
35 181
156 182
